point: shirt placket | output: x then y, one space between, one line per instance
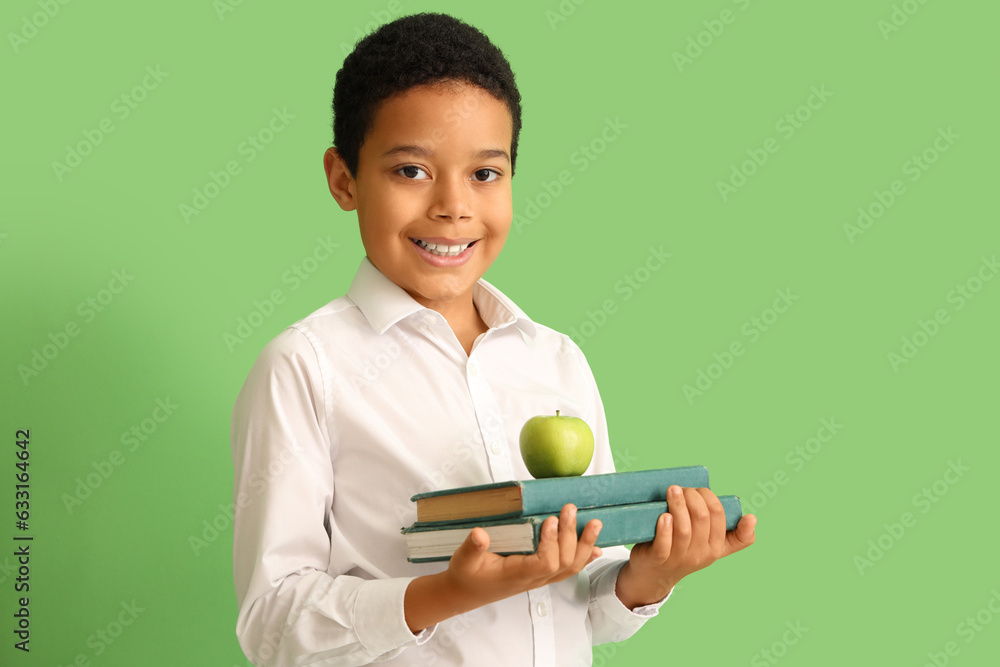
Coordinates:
542 628
490 423
498 454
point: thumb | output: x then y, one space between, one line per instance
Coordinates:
473 549
743 535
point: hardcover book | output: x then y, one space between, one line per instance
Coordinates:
632 523
502 500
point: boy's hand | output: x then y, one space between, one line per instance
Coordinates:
691 536
477 577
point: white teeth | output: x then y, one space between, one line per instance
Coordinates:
442 250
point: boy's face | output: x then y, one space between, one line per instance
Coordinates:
434 169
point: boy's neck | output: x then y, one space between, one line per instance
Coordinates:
464 319
467 337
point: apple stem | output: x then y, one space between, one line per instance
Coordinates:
557 413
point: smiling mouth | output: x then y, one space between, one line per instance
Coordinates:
442 250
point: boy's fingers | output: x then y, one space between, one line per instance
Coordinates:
596 553
664 538
677 507
743 535
717 515
585 549
548 546
700 518
567 536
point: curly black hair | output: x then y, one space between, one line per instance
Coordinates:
412 51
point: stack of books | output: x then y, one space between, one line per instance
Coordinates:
627 503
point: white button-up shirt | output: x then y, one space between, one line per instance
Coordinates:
348 413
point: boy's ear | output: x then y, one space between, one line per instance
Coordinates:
342 185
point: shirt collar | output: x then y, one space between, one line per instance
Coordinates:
384 303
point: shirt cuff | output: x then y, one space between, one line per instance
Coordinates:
604 598
379 619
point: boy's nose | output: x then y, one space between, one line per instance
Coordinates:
452 200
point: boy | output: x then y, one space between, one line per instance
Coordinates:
421 378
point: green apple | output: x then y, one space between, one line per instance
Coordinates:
556 446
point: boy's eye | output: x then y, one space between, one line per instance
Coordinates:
486 175
412 172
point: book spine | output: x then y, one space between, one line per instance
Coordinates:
623 488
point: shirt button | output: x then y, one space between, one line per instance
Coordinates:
542 609
495 448
473 369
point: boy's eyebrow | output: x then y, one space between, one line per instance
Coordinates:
420 151
493 152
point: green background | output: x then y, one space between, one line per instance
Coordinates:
655 185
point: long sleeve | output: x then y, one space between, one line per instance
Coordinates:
610 620
291 609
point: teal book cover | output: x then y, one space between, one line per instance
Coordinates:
539 496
